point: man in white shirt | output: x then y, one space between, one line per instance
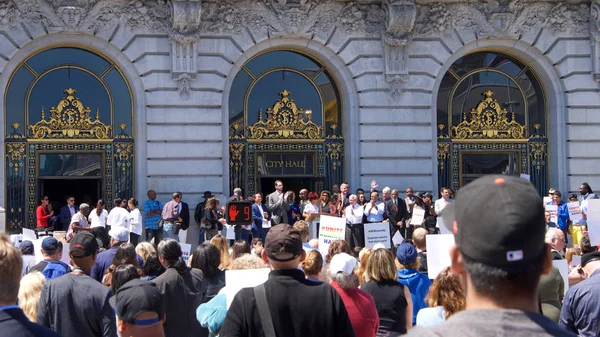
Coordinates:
118 216
355 230
375 209
441 203
277 205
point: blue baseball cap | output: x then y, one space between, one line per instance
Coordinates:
50 245
406 254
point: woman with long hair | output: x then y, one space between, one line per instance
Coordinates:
30 290
240 247
135 220
183 290
392 299
123 274
98 215
207 258
445 298
325 202
294 213
144 249
152 267
220 242
213 221
124 255
41 213
363 257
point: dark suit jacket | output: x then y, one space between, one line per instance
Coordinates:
65 217
185 216
394 215
14 323
257 215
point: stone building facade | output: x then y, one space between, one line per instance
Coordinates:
415 93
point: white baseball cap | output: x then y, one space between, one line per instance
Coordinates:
119 233
343 263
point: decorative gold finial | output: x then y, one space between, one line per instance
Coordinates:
15 126
537 126
122 127
333 127
285 93
441 127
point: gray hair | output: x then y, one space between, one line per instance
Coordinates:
346 281
552 234
84 206
176 195
237 189
352 197
386 190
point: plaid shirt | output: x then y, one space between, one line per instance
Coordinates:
151 221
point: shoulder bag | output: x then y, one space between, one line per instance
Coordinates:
263 310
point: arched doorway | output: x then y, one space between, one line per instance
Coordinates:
69 126
285 117
492 119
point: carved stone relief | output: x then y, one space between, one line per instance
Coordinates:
399 18
595 38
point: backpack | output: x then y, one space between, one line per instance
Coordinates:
54 270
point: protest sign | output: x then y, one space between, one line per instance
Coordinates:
377 233
397 238
235 280
230 232
29 235
266 224
576 260
593 221
574 211
65 254
331 229
37 250
553 210
438 253
185 250
547 200
417 216
563 267
183 235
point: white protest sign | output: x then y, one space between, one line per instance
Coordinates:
37 250
438 253
417 216
29 235
331 229
526 176
575 261
553 210
236 280
183 235
377 233
547 200
185 250
593 221
266 224
65 254
397 238
574 211
230 232
563 267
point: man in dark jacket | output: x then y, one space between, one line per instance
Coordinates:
184 213
398 214
292 300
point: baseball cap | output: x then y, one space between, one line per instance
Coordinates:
406 253
342 263
26 247
83 244
50 245
283 243
119 233
589 257
207 194
135 297
499 221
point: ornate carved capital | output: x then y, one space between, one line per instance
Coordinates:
399 16
186 18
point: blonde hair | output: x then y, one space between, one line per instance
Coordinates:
363 257
11 264
247 261
29 293
144 249
220 242
301 226
419 237
570 252
313 264
380 266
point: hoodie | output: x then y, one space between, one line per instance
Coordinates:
418 284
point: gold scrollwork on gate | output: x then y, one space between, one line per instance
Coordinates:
123 154
488 121
442 154
285 121
335 152
236 151
70 119
15 152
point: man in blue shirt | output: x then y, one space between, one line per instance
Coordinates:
153 209
580 310
562 214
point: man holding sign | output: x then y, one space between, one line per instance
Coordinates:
499 260
561 212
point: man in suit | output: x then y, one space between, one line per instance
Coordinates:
184 213
345 194
13 321
260 217
397 214
277 205
66 212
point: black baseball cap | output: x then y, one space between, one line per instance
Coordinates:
283 243
207 194
589 257
498 221
83 244
135 297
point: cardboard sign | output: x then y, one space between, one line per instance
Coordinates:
185 250
574 211
438 253
417 216
563 267
236 280
553 210
377 233
331 228
593 221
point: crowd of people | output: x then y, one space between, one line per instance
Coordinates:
501 279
